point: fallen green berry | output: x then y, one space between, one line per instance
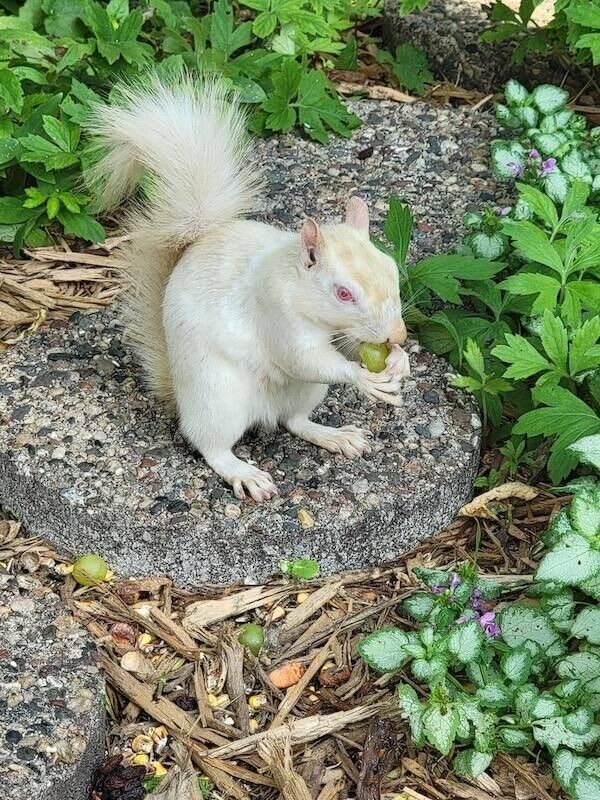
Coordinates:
89 570
252 637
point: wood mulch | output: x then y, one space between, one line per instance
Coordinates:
183 692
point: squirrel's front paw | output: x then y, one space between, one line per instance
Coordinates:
397 363
257 483
380 386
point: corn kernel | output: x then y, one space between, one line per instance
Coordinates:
256 701
159 770
141 758
301 597
142 744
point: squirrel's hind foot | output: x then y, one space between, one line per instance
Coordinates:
243 478
348 440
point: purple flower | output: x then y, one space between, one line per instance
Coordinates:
515 169
476 602
490 628
534 155
547 166
436 589
504 212
455 581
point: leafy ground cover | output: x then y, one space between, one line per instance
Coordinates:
58 58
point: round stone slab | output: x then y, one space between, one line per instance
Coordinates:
93 464
51 696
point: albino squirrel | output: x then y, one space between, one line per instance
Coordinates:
237 323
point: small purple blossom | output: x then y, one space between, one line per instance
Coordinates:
504 212
436 589
534 155
476 602
490 628
547 166
516 170
455 581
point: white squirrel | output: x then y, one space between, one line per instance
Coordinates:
236 322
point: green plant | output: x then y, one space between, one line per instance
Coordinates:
521 297
514 676
57 57
573 30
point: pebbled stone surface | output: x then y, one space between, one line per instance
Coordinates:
51 696
90 462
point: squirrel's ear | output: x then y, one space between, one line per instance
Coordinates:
357 215
311 239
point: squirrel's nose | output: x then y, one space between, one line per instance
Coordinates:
397 333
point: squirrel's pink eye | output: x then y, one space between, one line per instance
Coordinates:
344 294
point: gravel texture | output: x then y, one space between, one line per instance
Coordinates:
51 713
89 461
449 31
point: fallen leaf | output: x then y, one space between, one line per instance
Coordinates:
479 507
287 675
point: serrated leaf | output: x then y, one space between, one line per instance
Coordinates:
549 99
522 356
411 68
516 665
521 623
564 764
384 649
440 724
533 244
579 721
585 512
471 763
540 203
494 695
411 707
570 562
585 786
419 605
587 625
553 734
81 225
526 283
465 641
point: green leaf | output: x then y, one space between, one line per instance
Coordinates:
587 625
411 68
516 665
304 569
555 340
524 359
540 204
564 764
569 562
587 450
81 225
494 695
584 13
64 18
11 93
581 666
584 786
556 186
440 724
579 721
384 649
514 739
441 274
486 245
12 211
515 93
566 417
526 283
63 134
419 605
465 641
524 699
585 512
508 158
549 99
545 706
411 708
533 244
522 623
398 226
471 763
553 734
429 670
584 352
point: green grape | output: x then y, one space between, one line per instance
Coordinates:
252 637
373 356
89 570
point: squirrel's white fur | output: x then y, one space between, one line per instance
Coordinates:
236 322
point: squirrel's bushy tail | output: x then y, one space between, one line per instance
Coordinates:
185 142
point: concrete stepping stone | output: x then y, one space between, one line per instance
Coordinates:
449 32
51 696
92 463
